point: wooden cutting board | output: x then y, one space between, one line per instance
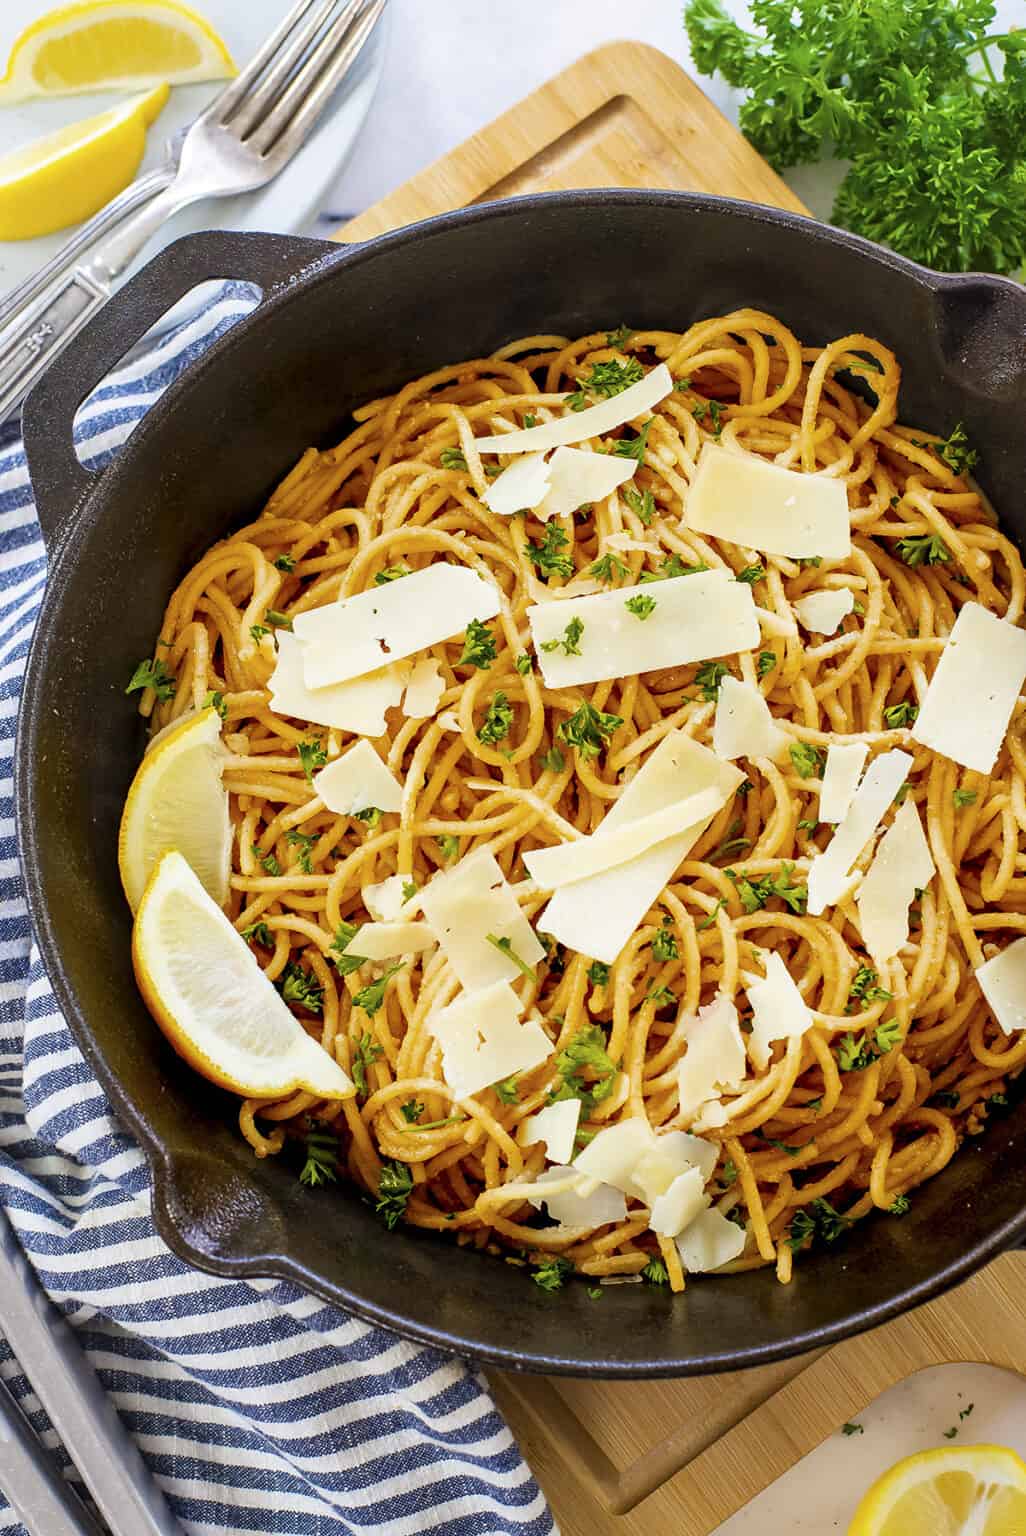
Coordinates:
676 1458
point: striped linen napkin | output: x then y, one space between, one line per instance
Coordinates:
258 1408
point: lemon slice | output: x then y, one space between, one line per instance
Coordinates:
177 800
103 45
205 988
68 175
969 1490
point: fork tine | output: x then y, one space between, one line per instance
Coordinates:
226 101
308 111
310 87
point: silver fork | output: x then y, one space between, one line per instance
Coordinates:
240 141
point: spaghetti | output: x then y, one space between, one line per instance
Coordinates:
830 1129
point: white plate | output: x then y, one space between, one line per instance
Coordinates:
288 203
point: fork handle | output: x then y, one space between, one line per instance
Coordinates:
31 342
45 1504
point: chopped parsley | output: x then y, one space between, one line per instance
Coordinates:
821 1221
478 646
258 933
285 563
412 1111
505 947
449 846
550 557
452 458
766 661
300 987
855 1053
641 605
923 549
711 408
267 861
673 565
394 1185
751 574
731 844
278 620
155 675
305 842
664 945
215 700
370 816
598 973
655 1272
371 997
608 568
588 729
864 989
806 759
641 503
410 889
321 1158
956 450
708 921
728 1174
606 380
949 1434
570 641
365 1052
620 337
391 573
585 1051
947 1098
900 714
344 936
900 1206
852 1429
754 894
553 760
634 447
963 797
524 664
258 632
551 1275
497 721
507 1090
709 677
662 996
311 755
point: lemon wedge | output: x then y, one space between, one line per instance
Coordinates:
103 45
969 1490
177 800
205 989
68 175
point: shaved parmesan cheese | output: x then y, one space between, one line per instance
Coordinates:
357 706
844 765
672 1154
424 690
601 1205
449 720
901 866
385 901
358 634
356 781
577 426
521 486
714 1060
822 612
710 1242
614 1152
972 693
744 726
483 1039
780 1011
382 941
1003 983
828 872
467 903
561 865
694 617
625 542
556 1126
740 497
597 916
577 477
682 1203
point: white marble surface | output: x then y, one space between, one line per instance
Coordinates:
819 1496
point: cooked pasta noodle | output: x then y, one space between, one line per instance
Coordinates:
403 489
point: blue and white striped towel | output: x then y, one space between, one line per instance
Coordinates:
258 1408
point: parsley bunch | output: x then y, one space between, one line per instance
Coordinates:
929 109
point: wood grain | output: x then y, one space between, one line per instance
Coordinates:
676 1458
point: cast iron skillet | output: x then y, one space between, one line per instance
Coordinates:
336 327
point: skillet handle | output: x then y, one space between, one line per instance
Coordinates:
59 481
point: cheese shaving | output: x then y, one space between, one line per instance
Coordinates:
465 905
714 1057
983 662
566 863
520 487
822 612
578 477
844 764
383 941
556 1126
740 497
828 873
744 726
901 866
358 706
358 781
484 1041
710 1242
424 690
780 1011
595 421
1003 983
